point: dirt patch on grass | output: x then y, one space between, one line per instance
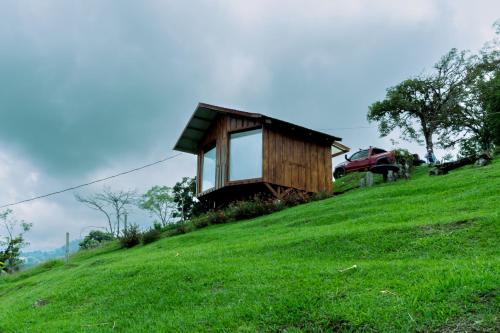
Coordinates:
447 227
486 296
333 325
466 325
474 320
40 302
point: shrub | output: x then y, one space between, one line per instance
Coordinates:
51 263
278 205
180 228
217 217
131 236
294 199
321 196
240 210
404 157
201 221
150 236
248 209
176 231
158 226
94 239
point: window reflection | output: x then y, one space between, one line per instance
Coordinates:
245 155
208 173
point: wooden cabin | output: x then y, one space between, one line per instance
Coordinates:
241 154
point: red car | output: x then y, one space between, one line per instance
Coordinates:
364 160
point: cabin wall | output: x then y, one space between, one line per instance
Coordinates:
218 134
292 162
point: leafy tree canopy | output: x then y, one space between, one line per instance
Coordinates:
184 193
418 106
11 240
159 201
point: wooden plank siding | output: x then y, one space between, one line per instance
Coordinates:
287 160
295 162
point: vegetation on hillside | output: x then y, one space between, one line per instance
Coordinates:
457 103
419 255
11 241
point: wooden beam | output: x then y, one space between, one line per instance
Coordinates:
286 192
273 191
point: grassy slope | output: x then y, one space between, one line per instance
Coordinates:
426 251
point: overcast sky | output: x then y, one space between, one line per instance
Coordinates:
91 88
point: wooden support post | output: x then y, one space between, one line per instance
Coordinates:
66 259
273 191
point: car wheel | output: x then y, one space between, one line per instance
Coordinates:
339 173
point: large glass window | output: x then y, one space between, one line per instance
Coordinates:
245 155
208 172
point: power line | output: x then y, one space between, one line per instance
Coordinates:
91 182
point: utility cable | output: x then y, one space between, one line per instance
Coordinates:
91 182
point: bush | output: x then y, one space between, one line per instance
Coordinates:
321 196
94 239
131 236
217 217
294 199
248 209
240 210
158 226
51 263
278 205
201 221
150 236
404 157
180 228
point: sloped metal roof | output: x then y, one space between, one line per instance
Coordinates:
205 114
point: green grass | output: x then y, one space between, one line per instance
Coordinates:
426 254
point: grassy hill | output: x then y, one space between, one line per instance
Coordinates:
426 256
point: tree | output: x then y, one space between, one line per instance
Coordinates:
492 104
418 106
94 239
110 204
94 202
12 241
473 124
159 201
184 193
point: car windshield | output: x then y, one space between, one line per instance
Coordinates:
359 155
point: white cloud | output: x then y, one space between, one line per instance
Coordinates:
100 87
262 12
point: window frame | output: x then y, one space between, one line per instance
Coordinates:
228 157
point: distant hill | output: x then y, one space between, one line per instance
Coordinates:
34 258
418 255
